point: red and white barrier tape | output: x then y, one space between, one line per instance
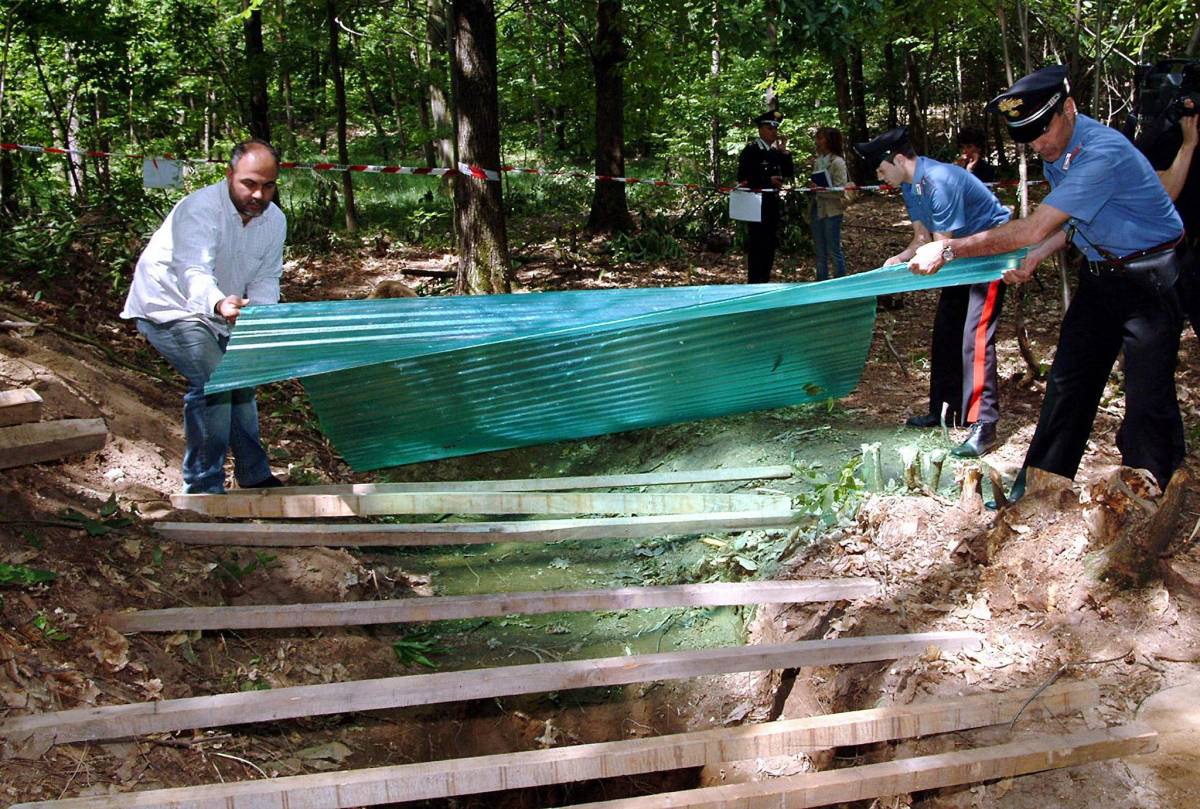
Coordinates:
477 172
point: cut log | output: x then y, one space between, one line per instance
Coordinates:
264 504
468 776
468 533
19 406
409 610
49 440
551 484
907 775
115 721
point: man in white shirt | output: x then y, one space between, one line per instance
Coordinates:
220 249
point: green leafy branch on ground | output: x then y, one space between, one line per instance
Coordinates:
415 650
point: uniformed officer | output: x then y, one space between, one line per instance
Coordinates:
766 164
1106 199
944 201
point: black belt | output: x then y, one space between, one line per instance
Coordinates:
1156 268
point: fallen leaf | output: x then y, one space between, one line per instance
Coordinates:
331 751
110 648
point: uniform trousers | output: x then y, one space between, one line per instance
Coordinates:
1109 314
963 354
761 240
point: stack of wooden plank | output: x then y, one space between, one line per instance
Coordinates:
25 439
644 515
468 776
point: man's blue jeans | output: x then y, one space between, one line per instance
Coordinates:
212 425
827 246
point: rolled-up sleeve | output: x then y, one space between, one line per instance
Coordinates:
194 235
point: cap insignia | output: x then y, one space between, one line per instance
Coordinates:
1011 106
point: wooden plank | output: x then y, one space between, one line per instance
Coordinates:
551 484
409 610
468 776
468 533
114 721
19 406
907 774
265 505
24 444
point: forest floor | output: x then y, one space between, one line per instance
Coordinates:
1037 581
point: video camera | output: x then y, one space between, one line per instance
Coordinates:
1163 89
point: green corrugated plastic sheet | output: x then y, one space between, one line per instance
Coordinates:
415 379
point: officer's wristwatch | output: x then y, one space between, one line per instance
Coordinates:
947 252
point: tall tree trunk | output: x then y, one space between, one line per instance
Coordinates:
858 94
560 110
9 204
1099 66
372 104
257 70
610 209
339 102
714 88
533 77
841 86
858 121
398 101
771 12
1033 366
60 116
439 106
891 82
423 113
103 143
483 264
914 98
285 75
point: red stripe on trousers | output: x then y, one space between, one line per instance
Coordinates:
979 366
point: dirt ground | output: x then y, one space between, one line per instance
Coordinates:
1060 585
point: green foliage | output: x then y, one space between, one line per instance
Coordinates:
230 567
21 576
42 623
414 650
653 242
109 518
833 500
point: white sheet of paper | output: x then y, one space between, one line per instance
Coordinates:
745 205
161 173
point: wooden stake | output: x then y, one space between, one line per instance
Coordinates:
49 440
263 504
115 721
467 776
907 775
468 533
410 610
552 484
19 406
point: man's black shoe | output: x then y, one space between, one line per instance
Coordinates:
926 422
271 482
980 442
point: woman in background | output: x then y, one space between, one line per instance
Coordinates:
827 207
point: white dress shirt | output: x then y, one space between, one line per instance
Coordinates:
202 253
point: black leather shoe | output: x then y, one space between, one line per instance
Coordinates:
926 422
271 482
979 443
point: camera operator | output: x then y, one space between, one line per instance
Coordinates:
1175 178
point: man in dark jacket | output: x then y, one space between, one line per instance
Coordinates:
763 166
